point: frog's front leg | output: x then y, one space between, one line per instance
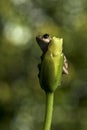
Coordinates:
65 66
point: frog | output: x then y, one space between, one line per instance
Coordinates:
52 59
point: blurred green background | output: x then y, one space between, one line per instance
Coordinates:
22 101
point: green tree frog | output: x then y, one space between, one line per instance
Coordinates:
53 62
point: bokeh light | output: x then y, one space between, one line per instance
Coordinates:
17 34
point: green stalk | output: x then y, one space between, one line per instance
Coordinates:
49 110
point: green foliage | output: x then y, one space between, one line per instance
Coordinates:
21 100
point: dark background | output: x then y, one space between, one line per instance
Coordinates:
22 101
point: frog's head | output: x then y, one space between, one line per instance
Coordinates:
43 41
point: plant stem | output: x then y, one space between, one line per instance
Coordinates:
48 111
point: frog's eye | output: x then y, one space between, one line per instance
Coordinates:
46 38
46 35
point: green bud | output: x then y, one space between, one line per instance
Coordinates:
51 68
